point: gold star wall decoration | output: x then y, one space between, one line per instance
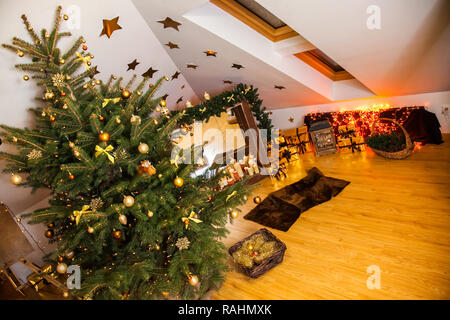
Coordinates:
172 45
149 73
291 119
210 53
237 66
94 71
175 75
169 23
132 65
109 26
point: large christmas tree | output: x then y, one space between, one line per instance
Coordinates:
139 224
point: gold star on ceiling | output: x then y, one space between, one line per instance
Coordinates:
172 45
175 75
149 73
109 26
132 65
94 71
291 119
169 23
210 53
237 66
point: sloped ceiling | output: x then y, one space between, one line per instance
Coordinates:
409 54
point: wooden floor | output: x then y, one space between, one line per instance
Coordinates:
394 214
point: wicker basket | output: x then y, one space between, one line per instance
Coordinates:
402 154
259 269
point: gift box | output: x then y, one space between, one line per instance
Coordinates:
349 139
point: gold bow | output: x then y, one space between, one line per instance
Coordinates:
85 60
99 150
176 160
247 89
231 195
231 98
191 217
78 214
202 110
106 101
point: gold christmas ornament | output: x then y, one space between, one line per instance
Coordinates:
90 230
76 153
26 77
16 179
234 213
143 148
150 213
66 294
65 107
163 103
257 199
71 145
158 109
123 219
178 182
70 255
61 268
49 95
126 94
65 17
48 234
52 118
71 176
128 201
117 234
118 121
20 53
193 280
62 61
51 225
14 139
103 136
18 219
84 47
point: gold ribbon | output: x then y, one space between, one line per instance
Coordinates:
99 150
231 98
191 217
78 214
106 101
85 60
176 160
231 195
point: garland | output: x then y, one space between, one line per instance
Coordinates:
218 104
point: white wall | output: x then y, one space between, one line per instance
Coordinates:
134 40
435 102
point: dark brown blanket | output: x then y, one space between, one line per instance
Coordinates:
283 207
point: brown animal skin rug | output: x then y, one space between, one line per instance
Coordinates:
283 207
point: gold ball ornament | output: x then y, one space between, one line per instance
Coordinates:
61 268
117 234
104 136
126 94
16 179
193 280
76 153
66 294
18 219
257 200
49 234
143 148
14 139
62 61
178 182
85 47
26 77
65 107
90 230
123 219
71 176
150 213
20 53
65 17
163 103
49 95
51 225
52 118
70 255
71 145
158 109
128 201
234 214
118 121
